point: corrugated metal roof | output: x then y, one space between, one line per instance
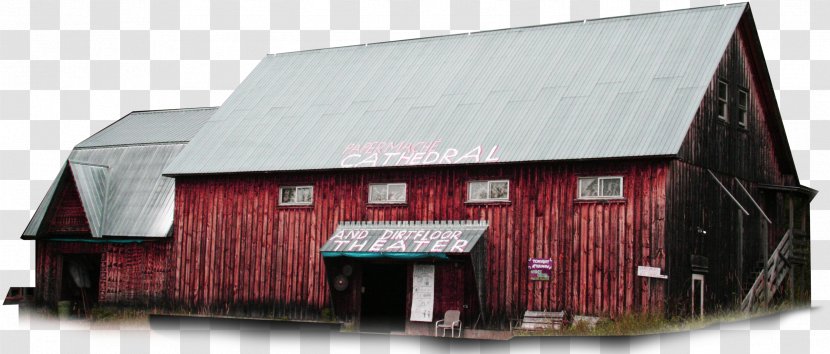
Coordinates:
123 191
617 87
151 127
91 181
33 228
118 173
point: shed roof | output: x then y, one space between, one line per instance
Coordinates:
118 174
607 88
151 127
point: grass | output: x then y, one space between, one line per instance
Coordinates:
644 324
118 314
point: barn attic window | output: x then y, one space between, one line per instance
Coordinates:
296 195
743 107
389 193
723 97
600 187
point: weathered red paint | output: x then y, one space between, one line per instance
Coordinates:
132 273
233 243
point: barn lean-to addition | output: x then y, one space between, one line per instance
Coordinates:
334 183
109 213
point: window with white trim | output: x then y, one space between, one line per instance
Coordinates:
743 107
600 187
486 191
723 98
390 193
296 195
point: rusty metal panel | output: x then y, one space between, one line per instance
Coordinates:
616 87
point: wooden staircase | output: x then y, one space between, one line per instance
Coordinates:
769 281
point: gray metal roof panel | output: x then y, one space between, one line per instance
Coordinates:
92 183
617 87
33 228
123 191
151 127
118 173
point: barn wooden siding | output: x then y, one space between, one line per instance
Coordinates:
753 155
131 273
233 244
67 216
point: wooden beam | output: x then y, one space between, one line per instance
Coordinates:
727 192
753 201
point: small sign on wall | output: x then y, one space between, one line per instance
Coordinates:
650 272
540 268
423 292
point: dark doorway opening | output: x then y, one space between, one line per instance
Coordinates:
383 298
79 282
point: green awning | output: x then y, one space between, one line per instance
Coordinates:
416 239
392 255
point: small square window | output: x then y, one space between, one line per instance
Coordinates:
743 107
483 191
387 193
600 187
296 195
723 98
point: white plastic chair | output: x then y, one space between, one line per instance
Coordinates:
452 319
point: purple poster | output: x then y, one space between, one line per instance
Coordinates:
540 268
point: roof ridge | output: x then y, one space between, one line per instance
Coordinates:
508 29
206 108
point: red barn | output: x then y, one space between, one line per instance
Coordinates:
102 231
638 164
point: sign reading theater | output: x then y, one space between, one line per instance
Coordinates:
412 239
404 153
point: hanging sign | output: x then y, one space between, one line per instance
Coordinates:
540 268
423 292
650 272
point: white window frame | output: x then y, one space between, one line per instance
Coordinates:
599 193
310 187
743 108
488 199
723 101
387 201
702 279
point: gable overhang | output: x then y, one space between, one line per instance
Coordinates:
805 191
761 72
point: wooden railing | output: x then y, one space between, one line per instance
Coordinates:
768 282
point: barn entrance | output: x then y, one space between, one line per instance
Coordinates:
395 283
79 282
383 297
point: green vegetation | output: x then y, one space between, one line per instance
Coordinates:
643 324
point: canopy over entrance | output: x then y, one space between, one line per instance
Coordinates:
413 240
404 239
